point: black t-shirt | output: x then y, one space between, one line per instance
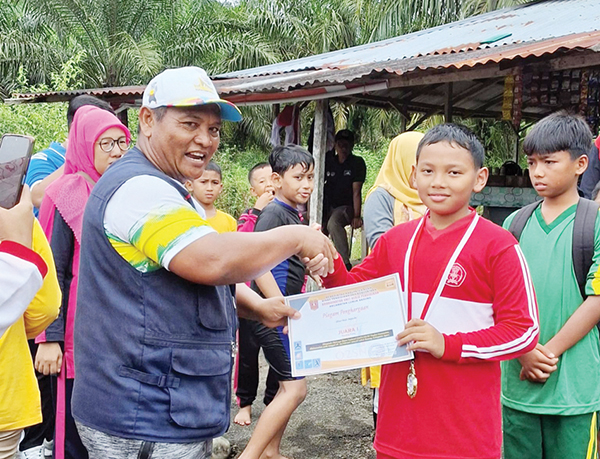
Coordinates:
289 274
339 178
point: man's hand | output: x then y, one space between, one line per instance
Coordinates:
419 334
317 246
538 364
315 265
16 224
48 358
273 312
357 222
263 200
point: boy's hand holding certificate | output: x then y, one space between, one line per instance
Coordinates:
347 327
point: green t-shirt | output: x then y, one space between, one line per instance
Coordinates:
574 388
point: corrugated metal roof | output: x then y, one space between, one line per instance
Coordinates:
522 24
121 91
303 78
230 87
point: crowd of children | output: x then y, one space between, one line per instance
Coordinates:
476 295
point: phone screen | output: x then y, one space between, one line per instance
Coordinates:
15 151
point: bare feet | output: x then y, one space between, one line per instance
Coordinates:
244 416
278 455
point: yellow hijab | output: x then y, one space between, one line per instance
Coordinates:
394 176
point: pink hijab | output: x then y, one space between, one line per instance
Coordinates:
69 195
70 192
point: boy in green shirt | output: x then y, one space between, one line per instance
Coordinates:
551 395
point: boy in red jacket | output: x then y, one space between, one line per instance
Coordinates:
469 303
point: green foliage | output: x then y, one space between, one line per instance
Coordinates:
71 44
235 164
44 122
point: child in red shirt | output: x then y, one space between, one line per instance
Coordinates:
470 304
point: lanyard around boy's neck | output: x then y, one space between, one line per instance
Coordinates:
443 274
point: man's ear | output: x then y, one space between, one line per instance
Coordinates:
147 121
482 178
413 177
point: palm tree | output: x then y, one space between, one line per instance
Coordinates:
113 36
120 42
29 48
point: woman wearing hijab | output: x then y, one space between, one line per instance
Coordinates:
96 139
391 201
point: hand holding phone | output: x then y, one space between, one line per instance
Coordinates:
16 224
15 152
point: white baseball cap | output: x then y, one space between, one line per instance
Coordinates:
186 87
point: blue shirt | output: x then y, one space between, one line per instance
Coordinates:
289 274
43 163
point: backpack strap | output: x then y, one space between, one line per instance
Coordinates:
584 229
520 219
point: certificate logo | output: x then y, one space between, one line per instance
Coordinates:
457 276
314 304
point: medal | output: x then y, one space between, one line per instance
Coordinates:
440 282
411 380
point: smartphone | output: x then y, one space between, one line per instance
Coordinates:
15 152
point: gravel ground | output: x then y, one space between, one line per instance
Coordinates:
334 422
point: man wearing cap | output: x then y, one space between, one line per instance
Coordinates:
156 318
344 177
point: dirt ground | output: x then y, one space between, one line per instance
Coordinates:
334 422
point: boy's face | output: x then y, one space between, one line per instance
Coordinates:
295 186
556 173
445 176
207 188
262 182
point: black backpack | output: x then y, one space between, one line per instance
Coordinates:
583 235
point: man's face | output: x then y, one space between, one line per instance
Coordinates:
343 146
182 143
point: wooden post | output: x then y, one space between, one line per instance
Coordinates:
402 125
319 146
448 105
122 115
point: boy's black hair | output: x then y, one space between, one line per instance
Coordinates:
455 134
255 168
560 131
283 158
212 166
595 191
77 102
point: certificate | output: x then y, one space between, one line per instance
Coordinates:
347 327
